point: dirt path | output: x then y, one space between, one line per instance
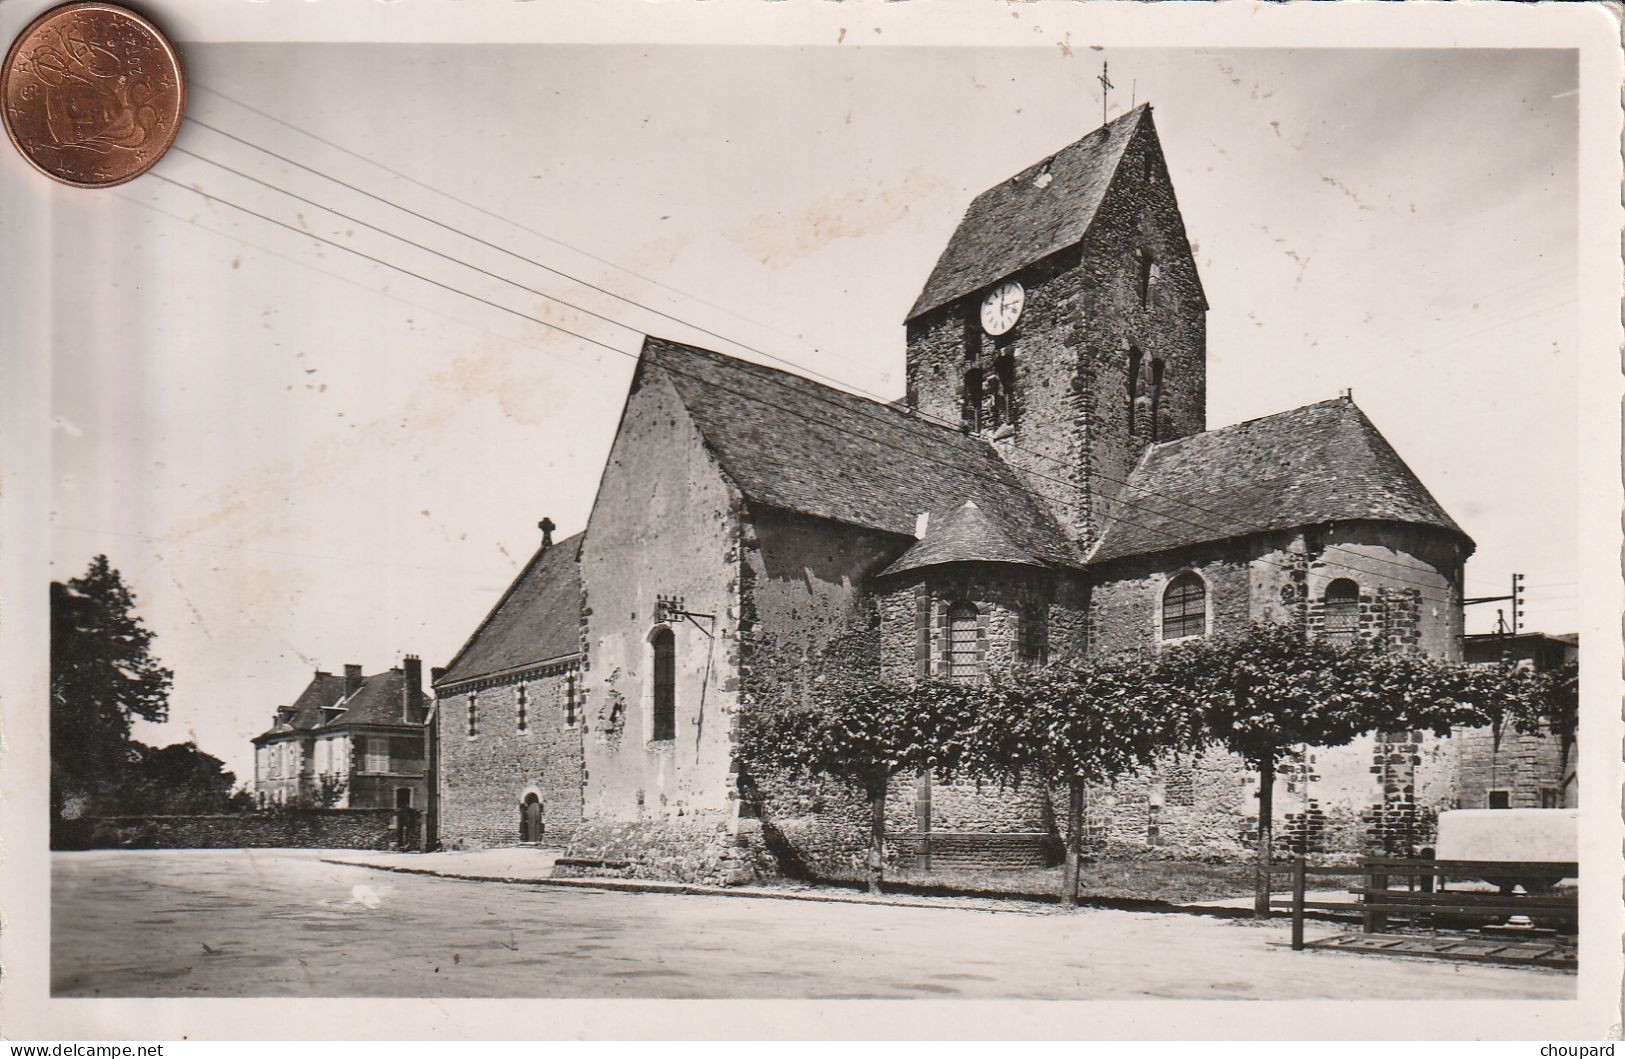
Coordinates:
282 923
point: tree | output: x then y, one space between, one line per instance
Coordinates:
1262 692
178 778
864 733
1560 695
103 677
1085 723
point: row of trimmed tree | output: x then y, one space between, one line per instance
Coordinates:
1072 725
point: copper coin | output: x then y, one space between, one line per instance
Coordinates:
92 94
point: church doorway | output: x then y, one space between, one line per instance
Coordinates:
530 819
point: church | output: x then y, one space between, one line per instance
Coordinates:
1048 487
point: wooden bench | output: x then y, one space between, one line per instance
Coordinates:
1427 896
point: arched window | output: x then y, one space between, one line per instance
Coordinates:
1184 607
1156 399
971 410
1032 646
664 642
963 633
1342 614
1133 385
1148 276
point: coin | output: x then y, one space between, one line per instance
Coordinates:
92 94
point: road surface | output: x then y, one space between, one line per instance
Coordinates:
282 923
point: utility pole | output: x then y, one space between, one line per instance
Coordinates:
1505 626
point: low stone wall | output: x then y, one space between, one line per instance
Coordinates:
302 829
686 849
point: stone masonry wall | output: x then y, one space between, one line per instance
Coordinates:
301 829
1383 791
485 777
1082 313
806 619
1529 768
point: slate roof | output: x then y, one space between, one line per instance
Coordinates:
964 535
537 619
795 444
323 691
379 700
1320 463
1023 219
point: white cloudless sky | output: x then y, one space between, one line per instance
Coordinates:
300 458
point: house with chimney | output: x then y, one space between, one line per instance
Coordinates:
363 735
1047 488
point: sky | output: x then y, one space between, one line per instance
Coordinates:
301 458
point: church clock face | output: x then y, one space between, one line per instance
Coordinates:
1002 307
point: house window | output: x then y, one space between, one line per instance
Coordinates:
1184 607
1341 622
1500 799
473 715
1033 647
1148 277
963 632
664 642
377 753
521 701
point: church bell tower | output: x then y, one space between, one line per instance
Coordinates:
1065 322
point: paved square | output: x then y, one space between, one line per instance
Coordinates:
260 923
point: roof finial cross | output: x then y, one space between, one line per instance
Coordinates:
1105 87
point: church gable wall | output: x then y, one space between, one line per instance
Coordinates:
485 777
666 522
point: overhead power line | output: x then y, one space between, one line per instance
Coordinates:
776 407
615 322
1092 473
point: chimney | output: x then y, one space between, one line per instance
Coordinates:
547 527
412 690
435 673
352 679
